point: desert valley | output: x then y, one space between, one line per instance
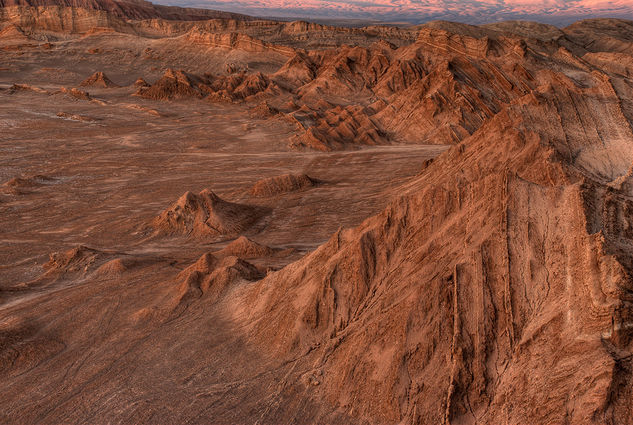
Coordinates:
210 218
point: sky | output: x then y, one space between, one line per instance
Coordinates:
558 12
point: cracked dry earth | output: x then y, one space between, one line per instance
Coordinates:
233 221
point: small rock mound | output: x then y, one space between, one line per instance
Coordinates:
112 268
209 271
282 184
78 259
264 110
76 93
336 128
206 214
229 270
210 276
243 247
140 82
33 181
205 265
82 261
240 87
75 117
25 88
174 85
20 185
98 79
252 85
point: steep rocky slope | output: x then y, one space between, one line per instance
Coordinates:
475 297
438 89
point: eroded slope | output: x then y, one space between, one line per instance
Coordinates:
494 286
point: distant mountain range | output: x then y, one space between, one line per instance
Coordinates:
557 12
347 13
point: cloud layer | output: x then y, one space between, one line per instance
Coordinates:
415 11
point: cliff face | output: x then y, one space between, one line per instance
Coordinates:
474 297
158 20
131 9
63 20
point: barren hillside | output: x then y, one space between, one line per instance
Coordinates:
130 9
246 221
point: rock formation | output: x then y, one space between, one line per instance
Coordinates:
174 85
26 87
472 286
282 184
211 273
75 93
206 214
80 258
491 282
98 79
13 34
129 9
179 85
21 185
140 82
243 247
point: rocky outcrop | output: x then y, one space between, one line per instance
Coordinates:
232 88
23 185
98 79
13 34
140 82
243 247
207 215
495 286
235 40
336 128
16 88
65 20
239 87
74 93
174 85
210 277
282 184
484 284
78 259
130 9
